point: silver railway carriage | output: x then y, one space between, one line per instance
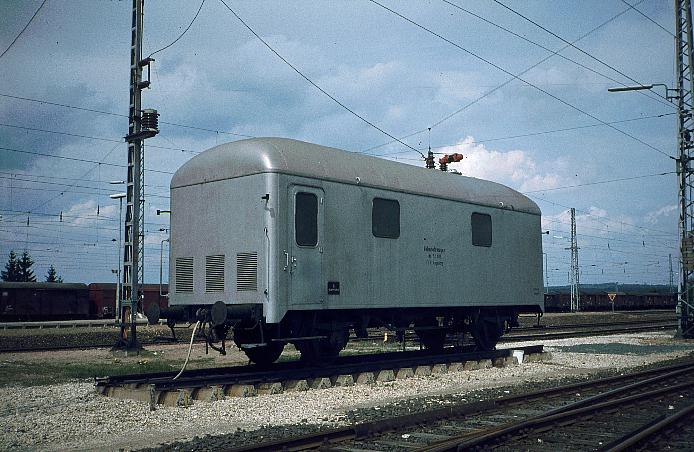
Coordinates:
281 241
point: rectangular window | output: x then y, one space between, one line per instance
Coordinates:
306 219
481 229
385 218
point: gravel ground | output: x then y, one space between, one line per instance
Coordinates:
73 417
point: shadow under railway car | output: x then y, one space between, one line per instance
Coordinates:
26 302
282 241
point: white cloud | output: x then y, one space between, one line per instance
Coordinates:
515 168
85 213
455 87
668 212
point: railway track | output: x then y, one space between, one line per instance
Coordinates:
537 334
540 332
650 410
112 323
67 324
217 383
596 330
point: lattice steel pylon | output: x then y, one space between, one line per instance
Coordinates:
134 234
685 88
575 274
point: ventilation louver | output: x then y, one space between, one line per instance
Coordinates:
246 271
184 274
214 273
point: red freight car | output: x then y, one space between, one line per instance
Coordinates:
23 301
102 298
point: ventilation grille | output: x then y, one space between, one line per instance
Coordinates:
184 274
247 271
214 273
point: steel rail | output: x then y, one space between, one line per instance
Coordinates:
594 332
327 438
298 370
573 410
412 336
645 433
509 338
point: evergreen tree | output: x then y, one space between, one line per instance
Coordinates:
11 272
52 275
26 274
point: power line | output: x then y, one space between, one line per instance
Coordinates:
488 93
645 93
76 159
94 251
601 218
83 176
43 189
531 134
110 140
91 110
648 18
496 66
81 217
13 173
600 182
23 29
314 84
639 239
181 35
572 45
37 224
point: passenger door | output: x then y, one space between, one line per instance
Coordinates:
305 258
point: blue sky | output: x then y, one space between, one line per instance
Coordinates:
543 133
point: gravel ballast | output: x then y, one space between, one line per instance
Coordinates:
73 417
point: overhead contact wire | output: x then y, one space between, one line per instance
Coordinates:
315 85
184 31
505 71
558 53
498 2
23 29
647 17
488 93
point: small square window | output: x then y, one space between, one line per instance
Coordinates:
385 218
481 229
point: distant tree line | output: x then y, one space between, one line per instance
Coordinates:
20 270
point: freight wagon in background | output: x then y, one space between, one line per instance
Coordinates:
43 301
599 300
103 298
26 302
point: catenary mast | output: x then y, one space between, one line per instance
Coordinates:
575 271
141 125
683 61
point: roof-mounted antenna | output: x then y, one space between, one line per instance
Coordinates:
430 155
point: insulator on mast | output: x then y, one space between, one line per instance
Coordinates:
150 120
429 159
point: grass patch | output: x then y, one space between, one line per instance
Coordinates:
34 374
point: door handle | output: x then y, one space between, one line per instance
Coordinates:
286 264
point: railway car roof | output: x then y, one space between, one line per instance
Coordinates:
286 156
